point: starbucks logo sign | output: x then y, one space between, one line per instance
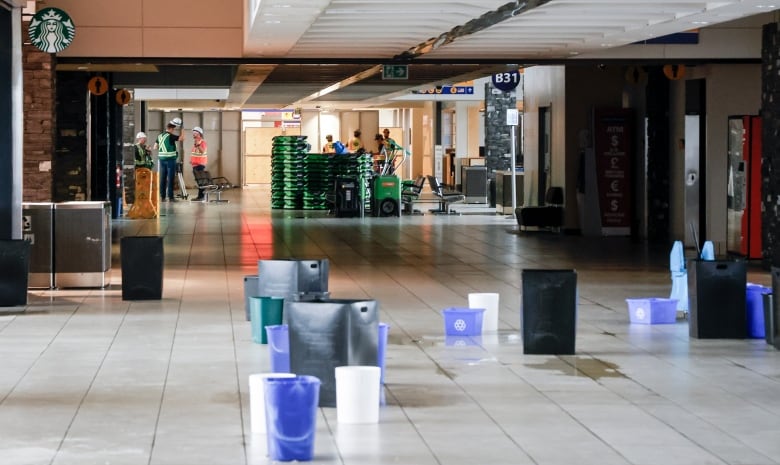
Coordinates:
51 30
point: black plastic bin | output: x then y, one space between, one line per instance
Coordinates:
716 292
142 267
775 308
549 314
14 266
331 333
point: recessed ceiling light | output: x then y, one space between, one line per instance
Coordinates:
700 23
765 6
272 21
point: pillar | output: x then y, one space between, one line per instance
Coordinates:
770 143
498 139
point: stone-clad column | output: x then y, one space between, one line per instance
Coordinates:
770 142
498 141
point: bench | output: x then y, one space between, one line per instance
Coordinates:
446 197
212 185
549 215
410 193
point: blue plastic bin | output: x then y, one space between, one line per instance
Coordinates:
754 309
381 350
291 417
279 348
652 311
460 321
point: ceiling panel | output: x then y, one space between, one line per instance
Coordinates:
375 32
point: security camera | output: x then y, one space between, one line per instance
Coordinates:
602 66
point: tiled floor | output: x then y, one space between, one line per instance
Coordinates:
87 378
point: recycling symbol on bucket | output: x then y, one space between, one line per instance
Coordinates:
460 325
640 313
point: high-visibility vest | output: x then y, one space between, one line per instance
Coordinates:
166 148
198 154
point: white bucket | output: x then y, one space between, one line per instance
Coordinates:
488 301
257 399
357 394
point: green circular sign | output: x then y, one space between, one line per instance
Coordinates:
51 30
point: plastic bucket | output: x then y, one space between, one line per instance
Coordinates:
257 399
381 349
488 301
754 309
279 348
250 289
652 310
357 394
463 321
291 417
264 311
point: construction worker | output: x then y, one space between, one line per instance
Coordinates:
355 144
144 205
198 157
167 153
143 156
328 147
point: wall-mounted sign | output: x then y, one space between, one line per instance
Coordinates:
613 139
674 72
51 30
97 85
447 90
123 97
395 72
636 75
506 81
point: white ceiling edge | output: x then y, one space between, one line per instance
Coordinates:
162 93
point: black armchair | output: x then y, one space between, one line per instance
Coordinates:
549 215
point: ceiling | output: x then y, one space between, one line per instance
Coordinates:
307 53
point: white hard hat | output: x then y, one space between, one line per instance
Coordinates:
176 122
198 129
140 135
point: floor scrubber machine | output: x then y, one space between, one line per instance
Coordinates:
386 195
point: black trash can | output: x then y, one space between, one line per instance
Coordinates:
331 333
769 318
549 314
716 292
775 307
142 267
14 268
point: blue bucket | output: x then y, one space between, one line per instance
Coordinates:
291 417
279 348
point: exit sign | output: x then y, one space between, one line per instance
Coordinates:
395 72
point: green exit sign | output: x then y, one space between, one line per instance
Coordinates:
395 72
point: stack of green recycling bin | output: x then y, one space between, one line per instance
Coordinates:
288 182
318 177
357 167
